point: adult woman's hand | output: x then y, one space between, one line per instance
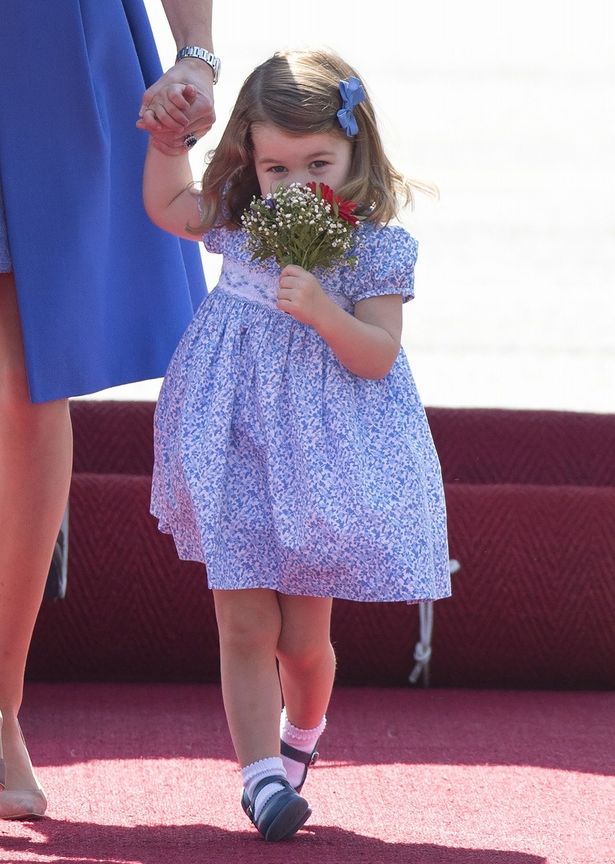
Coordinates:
179 104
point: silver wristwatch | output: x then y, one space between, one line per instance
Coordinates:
202 54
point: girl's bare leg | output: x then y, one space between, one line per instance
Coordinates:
35 469
249 623
306 658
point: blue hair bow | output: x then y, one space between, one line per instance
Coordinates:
352 93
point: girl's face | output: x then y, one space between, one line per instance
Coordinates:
280 157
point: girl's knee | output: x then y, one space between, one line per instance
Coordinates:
246 626
304 655
245 637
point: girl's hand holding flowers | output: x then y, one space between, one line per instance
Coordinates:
302 295
302 227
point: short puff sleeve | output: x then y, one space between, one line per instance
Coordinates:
215 240
385 263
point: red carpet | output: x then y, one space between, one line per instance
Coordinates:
144 774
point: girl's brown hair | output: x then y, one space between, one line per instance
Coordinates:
298 92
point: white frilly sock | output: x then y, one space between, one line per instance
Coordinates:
300 739
255 772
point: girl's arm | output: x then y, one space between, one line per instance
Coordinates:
168 196
366 343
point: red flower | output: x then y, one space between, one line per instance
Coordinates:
344 209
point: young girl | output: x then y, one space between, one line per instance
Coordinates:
293 455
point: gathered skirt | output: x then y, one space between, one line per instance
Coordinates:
278 468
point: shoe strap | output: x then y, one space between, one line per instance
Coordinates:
276 778
298 755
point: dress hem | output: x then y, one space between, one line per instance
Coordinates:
184 555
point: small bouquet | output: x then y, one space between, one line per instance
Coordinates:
306 225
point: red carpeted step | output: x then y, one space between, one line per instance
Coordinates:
492 446
534 604
132 611
112 437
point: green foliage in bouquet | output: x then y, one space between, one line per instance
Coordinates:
306 225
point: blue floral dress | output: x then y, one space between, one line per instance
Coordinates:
279 468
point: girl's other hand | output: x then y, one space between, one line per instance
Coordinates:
302 295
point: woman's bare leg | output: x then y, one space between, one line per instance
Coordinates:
249 624
35 469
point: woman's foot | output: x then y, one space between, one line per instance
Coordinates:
22 804
21 796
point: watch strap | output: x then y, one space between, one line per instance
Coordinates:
201 54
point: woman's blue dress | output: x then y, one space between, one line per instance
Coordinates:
104 295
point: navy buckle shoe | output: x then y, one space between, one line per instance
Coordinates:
307 759
282 815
